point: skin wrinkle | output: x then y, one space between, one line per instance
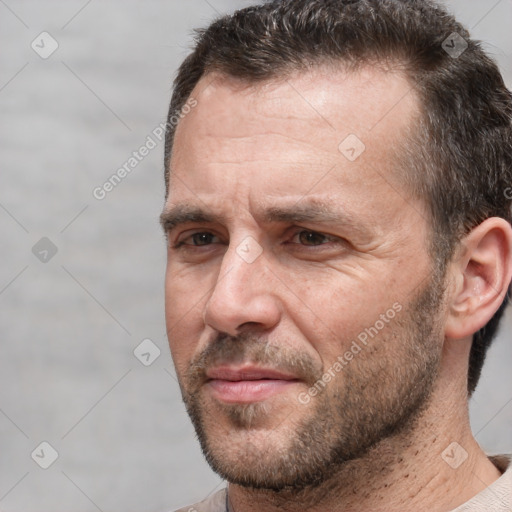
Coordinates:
375 421
315 211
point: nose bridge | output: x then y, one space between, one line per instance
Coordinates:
242 293
241 270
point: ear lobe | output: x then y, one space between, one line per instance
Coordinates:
482 272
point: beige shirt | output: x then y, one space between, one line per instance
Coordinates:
495 498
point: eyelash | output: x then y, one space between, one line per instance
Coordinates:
182 243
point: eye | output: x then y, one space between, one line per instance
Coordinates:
311 238
200 239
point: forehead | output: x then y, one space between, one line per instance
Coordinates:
369 99
285 136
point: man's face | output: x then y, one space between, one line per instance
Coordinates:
300 306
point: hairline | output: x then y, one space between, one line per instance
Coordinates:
402 149
396 64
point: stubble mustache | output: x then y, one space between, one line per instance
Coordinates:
248 348
236 351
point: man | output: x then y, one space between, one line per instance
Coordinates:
339 254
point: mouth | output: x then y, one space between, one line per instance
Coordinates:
247 384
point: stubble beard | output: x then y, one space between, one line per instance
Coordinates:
380 394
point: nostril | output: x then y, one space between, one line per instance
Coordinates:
248 326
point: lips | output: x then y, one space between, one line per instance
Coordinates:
247 384
247 373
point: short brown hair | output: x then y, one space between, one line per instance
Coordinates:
458 158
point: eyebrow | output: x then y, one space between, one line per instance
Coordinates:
186 214
304 211
314 211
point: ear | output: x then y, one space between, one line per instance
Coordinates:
481 274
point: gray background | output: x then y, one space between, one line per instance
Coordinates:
69 326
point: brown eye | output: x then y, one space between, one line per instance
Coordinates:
312 238
202 238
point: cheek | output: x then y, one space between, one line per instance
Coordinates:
183 315
184 293
343 312
183 342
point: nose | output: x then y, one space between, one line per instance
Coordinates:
245 294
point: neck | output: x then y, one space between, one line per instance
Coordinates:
404 472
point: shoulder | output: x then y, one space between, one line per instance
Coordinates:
215 503
498 496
